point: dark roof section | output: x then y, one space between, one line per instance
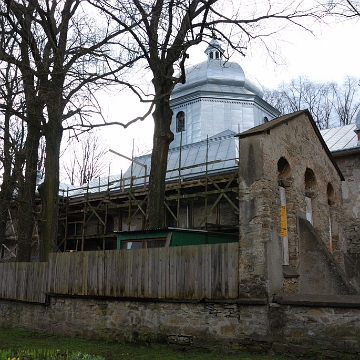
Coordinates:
272 124
266 127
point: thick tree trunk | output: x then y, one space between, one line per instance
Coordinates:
8 184
49 191
162 139
26 198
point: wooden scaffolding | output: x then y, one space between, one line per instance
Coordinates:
88 218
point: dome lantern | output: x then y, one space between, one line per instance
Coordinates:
214 51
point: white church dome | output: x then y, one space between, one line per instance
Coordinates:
217 75
217 96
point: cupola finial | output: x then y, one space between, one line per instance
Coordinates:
214 51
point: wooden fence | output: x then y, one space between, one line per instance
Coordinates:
184 272
23 281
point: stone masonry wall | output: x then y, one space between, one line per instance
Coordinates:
198 324
298 143
329 330
350 167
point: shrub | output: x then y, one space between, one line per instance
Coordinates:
45 355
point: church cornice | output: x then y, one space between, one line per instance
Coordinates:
186 101
215 96
184 104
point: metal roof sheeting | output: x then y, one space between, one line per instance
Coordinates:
219 151
340 138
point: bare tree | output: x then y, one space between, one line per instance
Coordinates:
17 148
84 159
163 31
346 100
329 103
344 8
302 93
63 56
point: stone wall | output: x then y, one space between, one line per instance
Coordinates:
293 140
350 167
302 325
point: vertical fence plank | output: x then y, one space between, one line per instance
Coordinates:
172 288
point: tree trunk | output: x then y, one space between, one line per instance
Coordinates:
49 191
162 139
8 184
26 198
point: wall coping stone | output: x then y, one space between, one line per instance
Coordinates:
344 301
252 301
289 272
239 301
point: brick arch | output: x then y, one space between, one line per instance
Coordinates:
284 172
310 183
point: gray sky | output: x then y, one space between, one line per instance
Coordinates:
330 54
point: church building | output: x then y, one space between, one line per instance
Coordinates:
237 172
220 119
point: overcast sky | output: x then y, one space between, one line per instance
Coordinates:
332 53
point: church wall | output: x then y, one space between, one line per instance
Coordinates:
297 142
350 167
193 214
196 214
208 116
193 113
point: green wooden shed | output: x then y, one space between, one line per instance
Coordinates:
170 237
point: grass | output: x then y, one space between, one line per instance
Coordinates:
15 340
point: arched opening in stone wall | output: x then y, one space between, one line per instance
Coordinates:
330 193
310 193
284 181
284 172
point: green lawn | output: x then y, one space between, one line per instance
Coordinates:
11 339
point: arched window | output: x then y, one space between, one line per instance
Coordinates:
330 194
284 180
284 171
310 183
180 121
310 193
331 201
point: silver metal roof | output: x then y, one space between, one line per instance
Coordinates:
95 186
217 76
219 151
340 138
